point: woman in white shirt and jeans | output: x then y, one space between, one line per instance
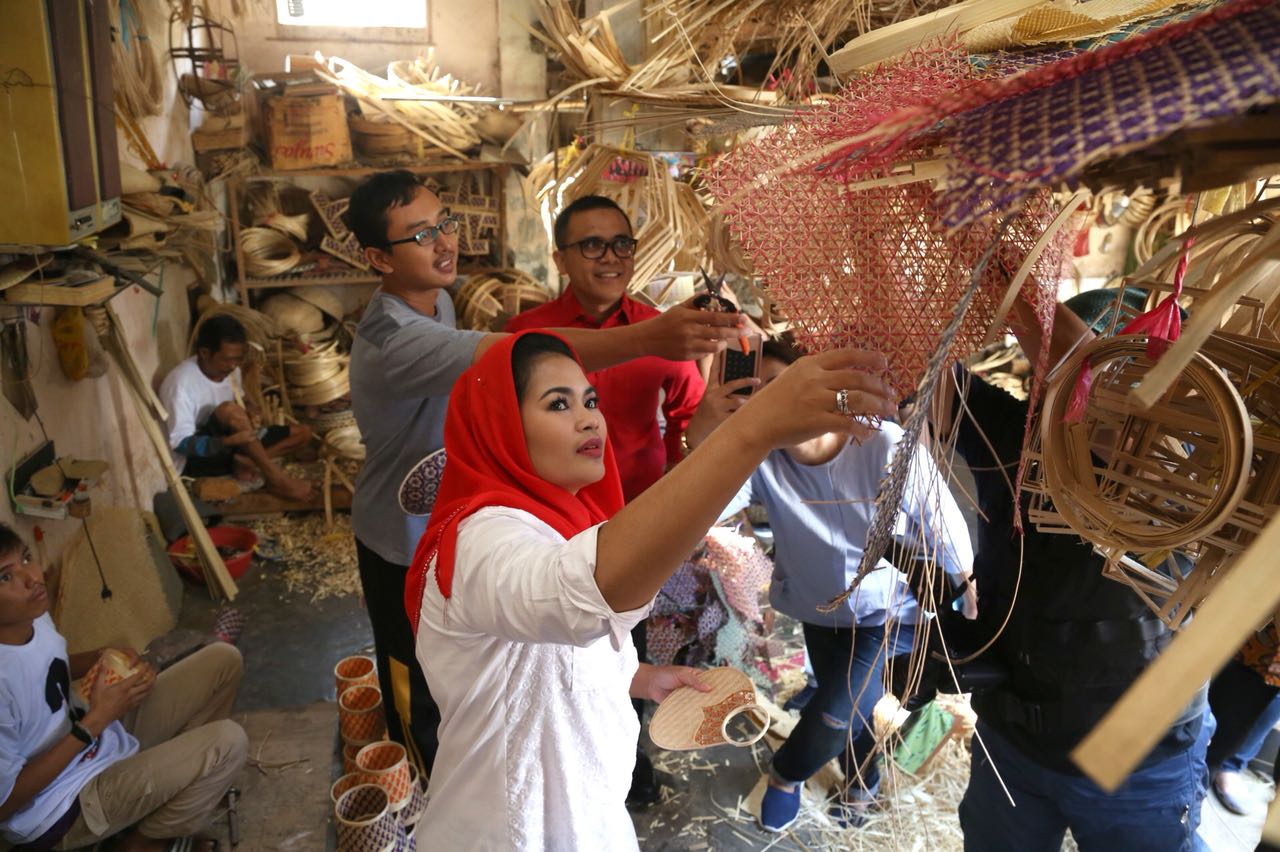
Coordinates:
532 572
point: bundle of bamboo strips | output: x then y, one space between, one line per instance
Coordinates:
448 126
262 200
671 220
693 36
134 69
485 302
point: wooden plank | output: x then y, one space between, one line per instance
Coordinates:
218 579
80 295
1244 599
131 368
887 42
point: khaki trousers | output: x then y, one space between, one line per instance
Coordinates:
189 753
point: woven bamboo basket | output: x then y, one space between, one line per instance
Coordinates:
486 302
381 138
327 421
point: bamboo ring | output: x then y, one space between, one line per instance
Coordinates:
1144 480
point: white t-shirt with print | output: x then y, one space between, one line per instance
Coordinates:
35 687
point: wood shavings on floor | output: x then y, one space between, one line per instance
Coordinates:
316 561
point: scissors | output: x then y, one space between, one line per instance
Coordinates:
713 301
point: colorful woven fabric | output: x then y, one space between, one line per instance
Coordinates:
714 595
742 567
1211 67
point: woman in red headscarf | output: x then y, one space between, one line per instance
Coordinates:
531 574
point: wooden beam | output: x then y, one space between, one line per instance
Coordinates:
887 42
1243 600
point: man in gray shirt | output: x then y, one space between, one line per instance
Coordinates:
406 356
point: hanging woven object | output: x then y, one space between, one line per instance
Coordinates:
134 69
477 211
1011 136
862 258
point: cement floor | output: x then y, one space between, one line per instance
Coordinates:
286 705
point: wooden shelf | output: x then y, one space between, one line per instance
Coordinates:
443 166
355 276
247 284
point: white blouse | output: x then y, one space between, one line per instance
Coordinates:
531 670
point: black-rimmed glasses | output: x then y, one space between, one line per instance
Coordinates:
593 248
427 236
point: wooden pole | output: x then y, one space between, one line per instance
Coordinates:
218 579
1243 600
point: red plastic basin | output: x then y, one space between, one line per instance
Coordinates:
242 540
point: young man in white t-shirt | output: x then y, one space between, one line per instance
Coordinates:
150 756
210 432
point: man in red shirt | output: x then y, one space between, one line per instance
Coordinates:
595 249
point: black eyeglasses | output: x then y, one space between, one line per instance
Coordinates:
427 236
593 248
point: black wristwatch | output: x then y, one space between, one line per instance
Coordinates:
81 733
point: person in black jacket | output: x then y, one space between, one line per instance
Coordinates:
1074 641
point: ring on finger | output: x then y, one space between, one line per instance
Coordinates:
842 403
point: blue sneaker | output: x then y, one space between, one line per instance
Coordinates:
778 808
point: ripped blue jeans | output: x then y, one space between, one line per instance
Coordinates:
849 666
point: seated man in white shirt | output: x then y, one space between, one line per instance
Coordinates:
210 432
151 755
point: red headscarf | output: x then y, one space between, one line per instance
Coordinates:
488 465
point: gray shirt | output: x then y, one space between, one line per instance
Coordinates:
403 365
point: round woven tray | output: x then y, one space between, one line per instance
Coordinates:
324 391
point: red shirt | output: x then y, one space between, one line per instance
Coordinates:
629 393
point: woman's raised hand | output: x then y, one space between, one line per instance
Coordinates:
819 394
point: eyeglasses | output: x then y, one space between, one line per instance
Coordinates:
427 236
593 248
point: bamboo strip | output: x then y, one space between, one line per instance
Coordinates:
1208 316
1015 286
1243 600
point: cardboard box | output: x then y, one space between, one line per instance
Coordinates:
306 131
